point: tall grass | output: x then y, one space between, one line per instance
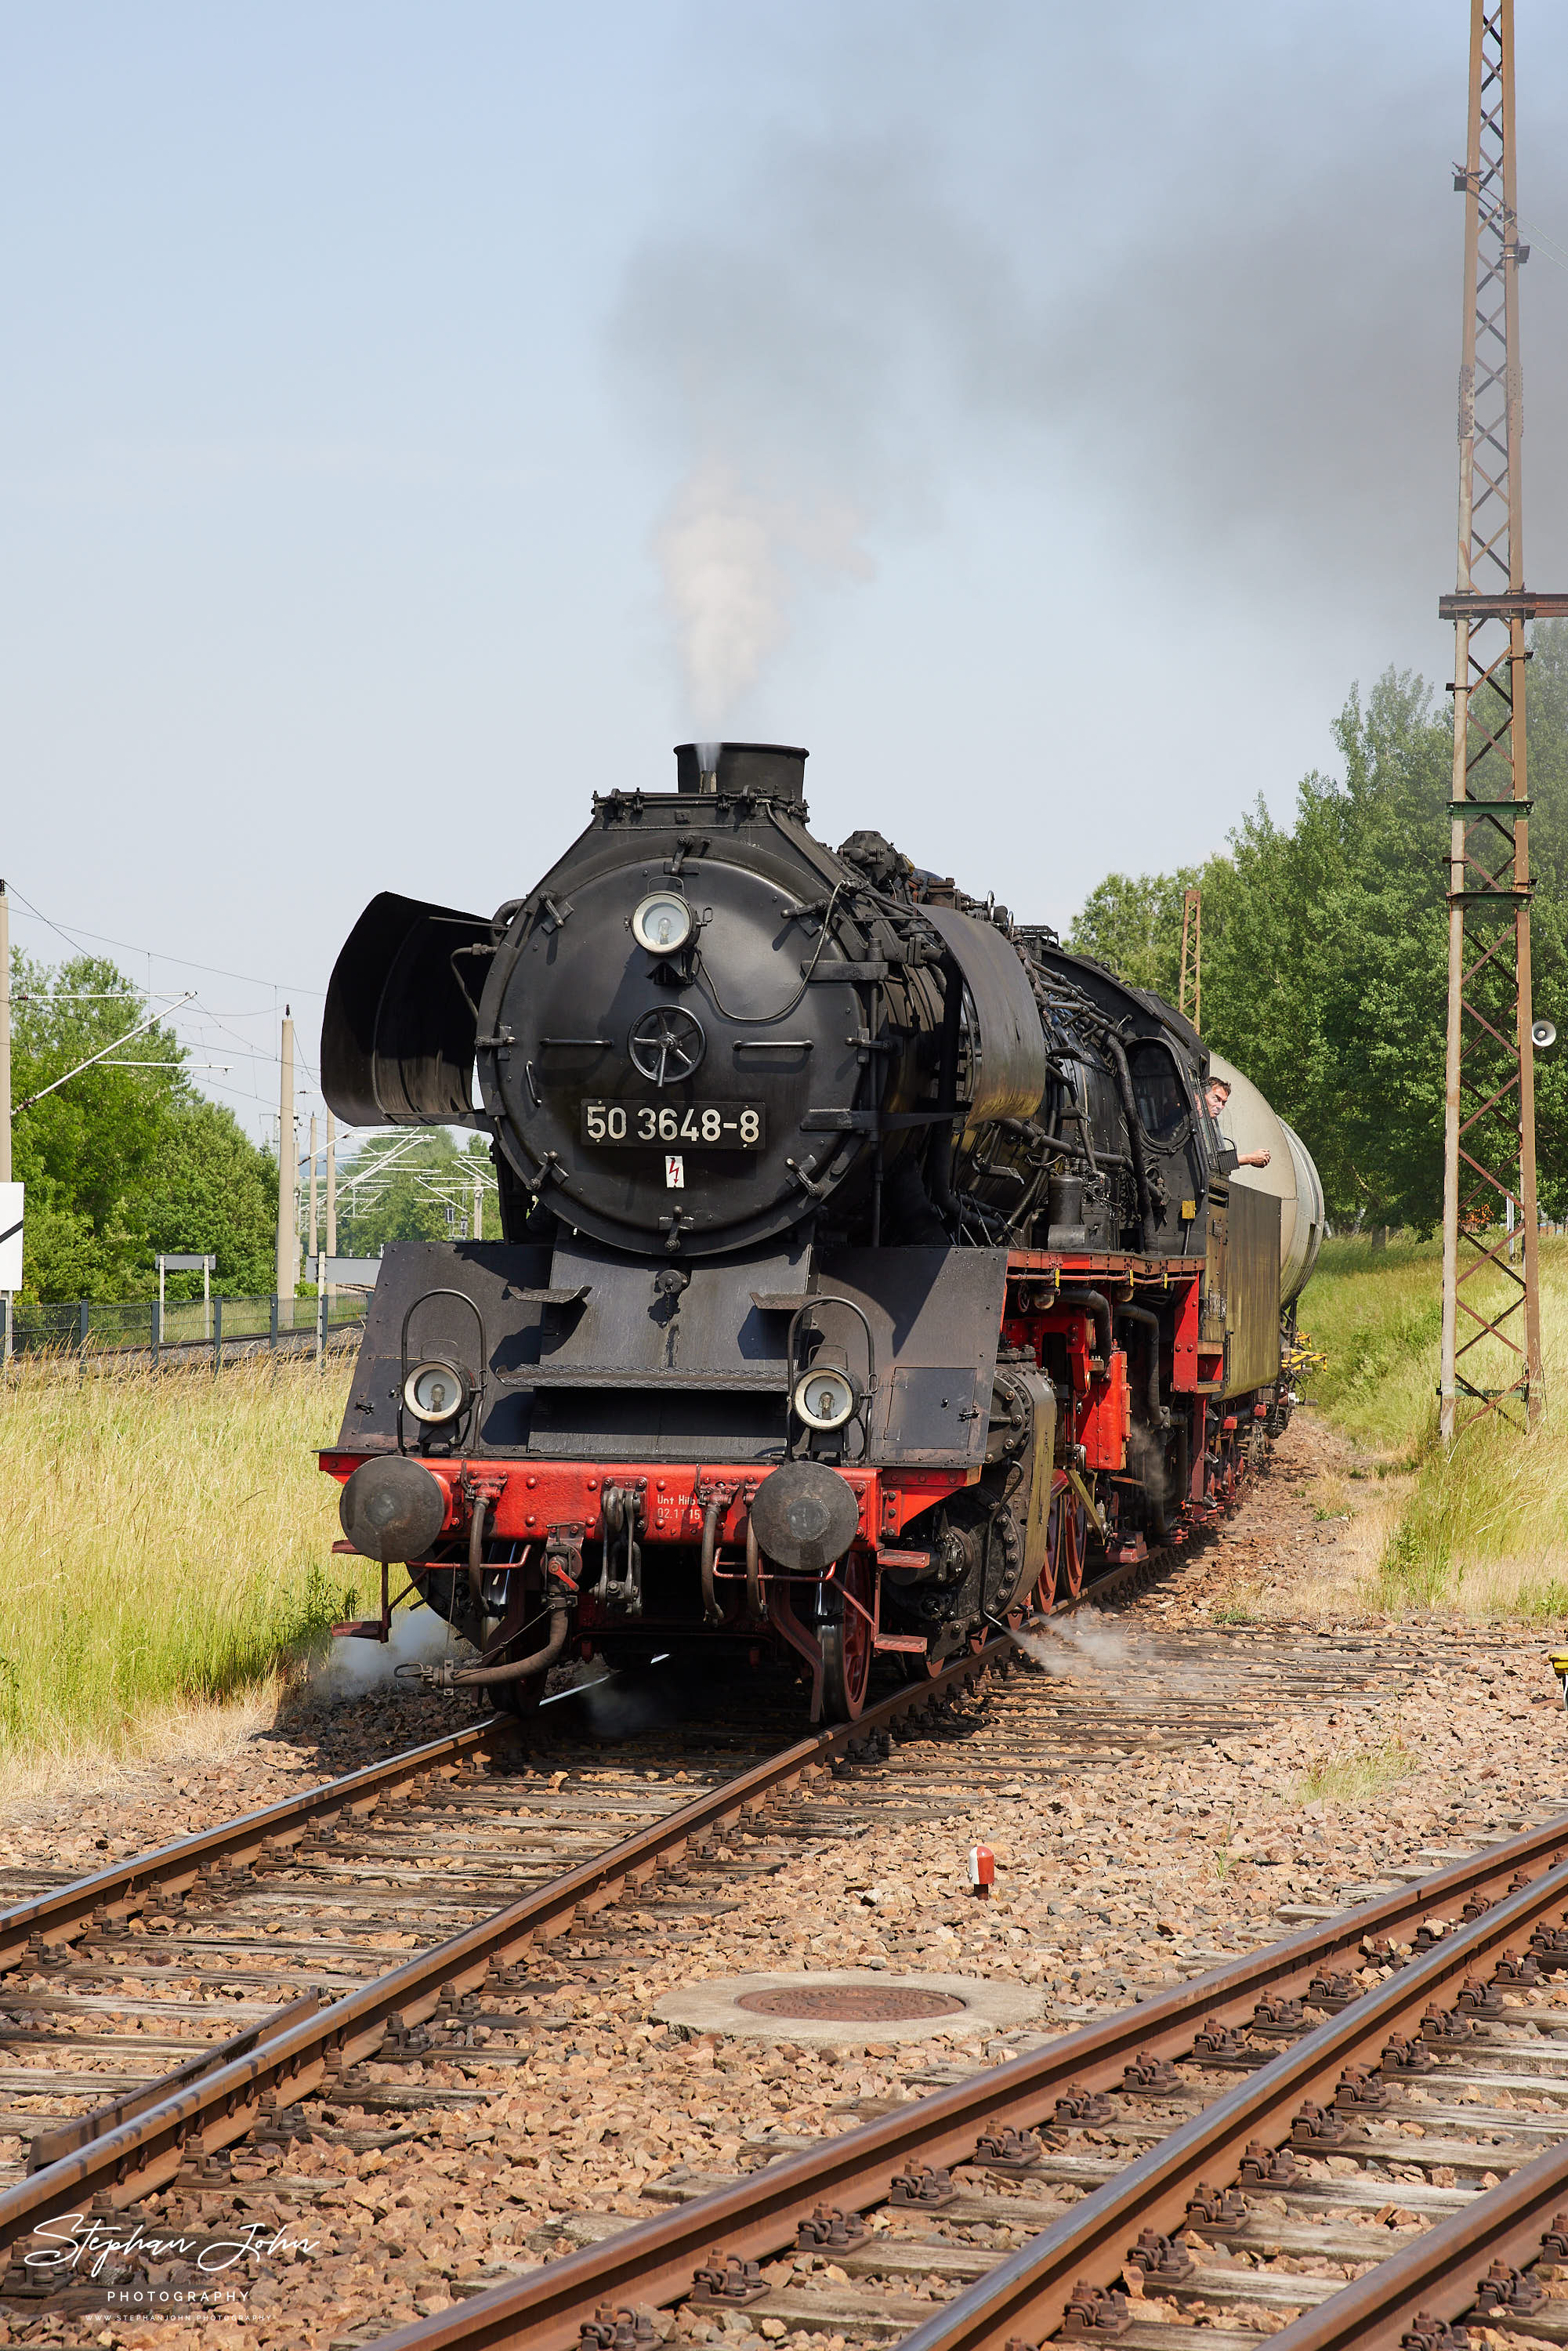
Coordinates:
1484 1528
164 1538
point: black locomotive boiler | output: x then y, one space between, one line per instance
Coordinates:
870 1264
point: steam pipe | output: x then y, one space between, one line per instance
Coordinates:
518 1670
1151 1321
939 1159
1099 1305
1134 1137
712 1612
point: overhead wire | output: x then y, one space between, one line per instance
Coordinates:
156 955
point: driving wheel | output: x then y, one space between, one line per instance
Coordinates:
1071 1544
1044 1597
847 1643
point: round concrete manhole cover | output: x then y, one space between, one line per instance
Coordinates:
847 2007
850 2004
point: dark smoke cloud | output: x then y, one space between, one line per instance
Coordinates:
1202 276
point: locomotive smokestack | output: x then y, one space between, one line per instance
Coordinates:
776 771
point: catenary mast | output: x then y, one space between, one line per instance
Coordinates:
1491 1318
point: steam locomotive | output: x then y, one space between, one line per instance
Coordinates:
871 1265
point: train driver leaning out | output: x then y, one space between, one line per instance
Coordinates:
1216 1094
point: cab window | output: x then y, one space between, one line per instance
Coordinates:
1157 1090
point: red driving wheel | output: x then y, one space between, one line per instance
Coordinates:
1071 1544
847 1644
1043 1596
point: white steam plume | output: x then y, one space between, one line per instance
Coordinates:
734 560
347 1668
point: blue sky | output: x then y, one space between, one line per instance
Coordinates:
416 419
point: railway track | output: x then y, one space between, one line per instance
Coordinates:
308 1900
1243 2147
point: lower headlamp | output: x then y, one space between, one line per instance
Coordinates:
435 1392
825 1399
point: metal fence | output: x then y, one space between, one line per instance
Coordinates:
226 1329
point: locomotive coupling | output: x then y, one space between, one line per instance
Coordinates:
393 1509
1558 1659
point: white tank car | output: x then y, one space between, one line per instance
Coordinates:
1251 1125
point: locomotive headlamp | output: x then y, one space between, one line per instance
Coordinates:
663 923
435 1392
824 1399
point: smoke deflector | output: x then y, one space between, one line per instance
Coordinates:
1010 1080
399 1031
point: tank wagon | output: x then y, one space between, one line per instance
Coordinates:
871 1265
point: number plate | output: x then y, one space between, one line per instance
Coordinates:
694 1127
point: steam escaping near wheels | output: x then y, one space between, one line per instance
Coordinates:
350 1669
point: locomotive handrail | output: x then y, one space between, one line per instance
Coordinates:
479 1381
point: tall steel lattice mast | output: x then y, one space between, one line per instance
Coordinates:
1491 1318
1191 981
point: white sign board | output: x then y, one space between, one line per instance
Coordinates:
348 1273
10 1236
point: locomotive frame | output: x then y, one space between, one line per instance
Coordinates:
976 1300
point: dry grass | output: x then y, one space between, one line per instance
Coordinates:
165 1551
1352 1779
38 1783
1483 1530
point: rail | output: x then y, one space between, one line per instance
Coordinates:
1029 2295
27 1927
214 2104
1026 2297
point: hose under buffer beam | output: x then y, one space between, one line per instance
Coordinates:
714 1510
564 1569
716 1504
476 1517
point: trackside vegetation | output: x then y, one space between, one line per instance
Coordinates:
1484 1530
165 1541
124 1160
1326 946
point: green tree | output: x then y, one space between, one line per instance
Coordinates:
84 1148
1133 925
209 1189
124 1158
1325 946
